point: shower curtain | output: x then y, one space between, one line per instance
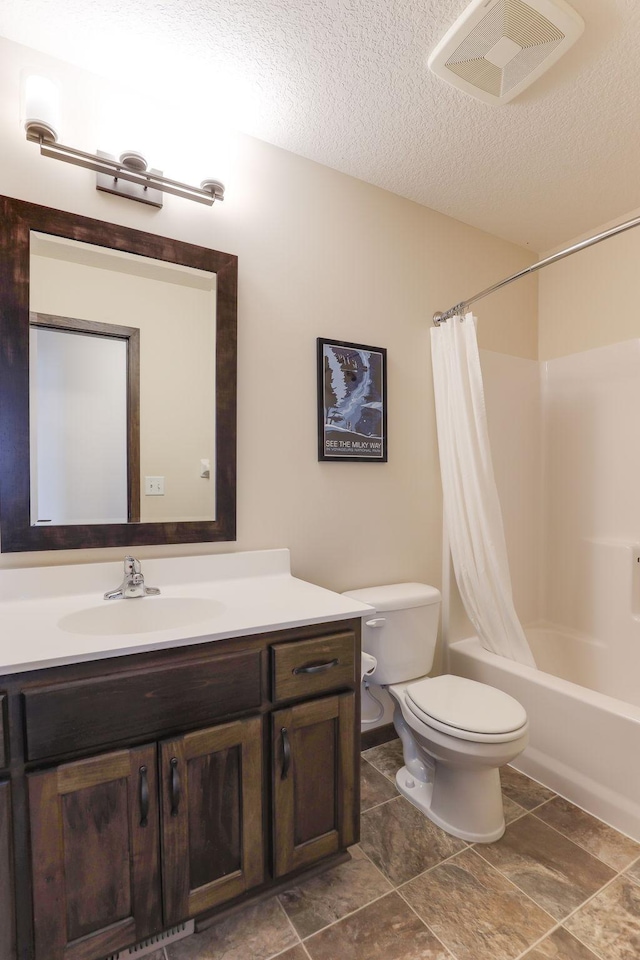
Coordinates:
471 504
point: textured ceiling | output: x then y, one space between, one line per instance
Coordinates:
345 83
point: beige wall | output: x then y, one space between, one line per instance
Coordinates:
320 254
590 299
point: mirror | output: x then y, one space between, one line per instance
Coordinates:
117 385
121 400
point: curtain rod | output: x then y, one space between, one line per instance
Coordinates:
459 308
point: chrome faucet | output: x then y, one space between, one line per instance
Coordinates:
133 583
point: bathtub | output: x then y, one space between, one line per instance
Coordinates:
583 744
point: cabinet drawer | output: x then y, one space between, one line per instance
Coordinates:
313 666
80 714
4 753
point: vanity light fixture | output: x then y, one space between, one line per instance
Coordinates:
129 176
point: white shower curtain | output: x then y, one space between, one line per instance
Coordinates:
471 504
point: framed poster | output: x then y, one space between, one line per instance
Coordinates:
352 401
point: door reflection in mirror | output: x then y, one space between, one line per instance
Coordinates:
84 421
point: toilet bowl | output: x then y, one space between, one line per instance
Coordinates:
451 771
455 732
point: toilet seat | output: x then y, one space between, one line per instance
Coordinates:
465 709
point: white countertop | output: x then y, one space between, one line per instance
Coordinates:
235 595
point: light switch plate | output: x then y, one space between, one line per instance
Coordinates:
154 486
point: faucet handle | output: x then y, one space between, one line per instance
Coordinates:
133 584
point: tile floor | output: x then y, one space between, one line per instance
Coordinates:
560 885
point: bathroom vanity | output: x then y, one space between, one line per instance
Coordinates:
162 758
167 774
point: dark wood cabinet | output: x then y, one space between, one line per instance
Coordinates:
158 787
212 802
314 781
7 898
98 826
95 843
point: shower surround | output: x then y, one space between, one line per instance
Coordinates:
566 445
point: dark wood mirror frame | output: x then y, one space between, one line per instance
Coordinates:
17 220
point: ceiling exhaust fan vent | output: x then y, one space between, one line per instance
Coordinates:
496 48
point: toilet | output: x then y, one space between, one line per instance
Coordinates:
455 732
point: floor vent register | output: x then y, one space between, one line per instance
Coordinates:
150 944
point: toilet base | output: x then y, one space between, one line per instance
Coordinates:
488 824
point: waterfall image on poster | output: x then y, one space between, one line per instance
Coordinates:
353 402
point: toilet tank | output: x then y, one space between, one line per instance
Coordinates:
402 633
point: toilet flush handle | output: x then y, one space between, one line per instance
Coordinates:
378 622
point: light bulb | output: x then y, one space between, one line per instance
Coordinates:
41 109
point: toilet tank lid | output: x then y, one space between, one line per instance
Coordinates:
396 596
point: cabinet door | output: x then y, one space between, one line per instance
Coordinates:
95 853
314 781
212 827
7 900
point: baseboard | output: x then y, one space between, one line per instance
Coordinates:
381 734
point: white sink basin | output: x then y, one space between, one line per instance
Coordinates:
140 615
